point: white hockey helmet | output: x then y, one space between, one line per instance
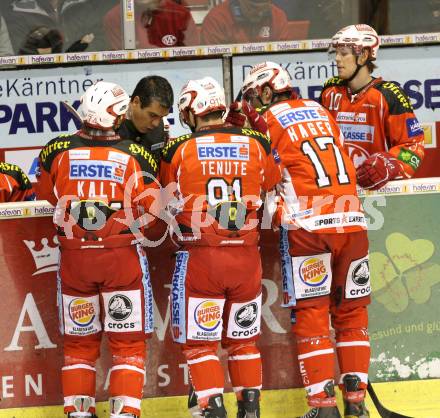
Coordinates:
102 104
357 37
201 97
267 73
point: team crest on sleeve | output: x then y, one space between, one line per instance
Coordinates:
413 127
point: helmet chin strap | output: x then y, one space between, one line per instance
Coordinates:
356 71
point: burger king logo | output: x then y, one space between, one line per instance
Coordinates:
208 315
313 272
81 311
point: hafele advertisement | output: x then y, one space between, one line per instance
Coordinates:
30 342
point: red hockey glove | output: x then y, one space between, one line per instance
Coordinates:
234 116
240 112
256 121
378 170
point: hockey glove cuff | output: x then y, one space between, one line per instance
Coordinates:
378 170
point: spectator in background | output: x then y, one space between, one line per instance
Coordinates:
43 40
5 42
159 23
73 18
241 21
15 185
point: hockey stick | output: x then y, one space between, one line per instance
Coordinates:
73 111
383 412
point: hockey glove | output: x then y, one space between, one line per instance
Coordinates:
378 170
240 112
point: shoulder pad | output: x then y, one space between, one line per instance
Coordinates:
171 147
55 147
334 81
17 174
146 159
398 101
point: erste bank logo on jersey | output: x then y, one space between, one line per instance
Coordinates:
301 115
214 151
96 170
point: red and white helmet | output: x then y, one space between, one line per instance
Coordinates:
102 104
267 73
357 37
201 97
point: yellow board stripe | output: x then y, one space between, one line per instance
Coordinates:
418 398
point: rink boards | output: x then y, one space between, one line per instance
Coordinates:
404 315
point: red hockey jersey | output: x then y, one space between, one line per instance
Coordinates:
14 184
378 118
319 182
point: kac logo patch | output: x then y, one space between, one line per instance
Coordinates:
413 127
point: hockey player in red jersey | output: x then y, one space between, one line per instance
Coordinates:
220 173
382 135
100 182
324 244
15 185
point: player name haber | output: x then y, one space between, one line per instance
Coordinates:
304 130
220 168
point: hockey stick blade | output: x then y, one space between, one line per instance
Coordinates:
383 412
73 111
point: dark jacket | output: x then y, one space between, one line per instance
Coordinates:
74 18
153 141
